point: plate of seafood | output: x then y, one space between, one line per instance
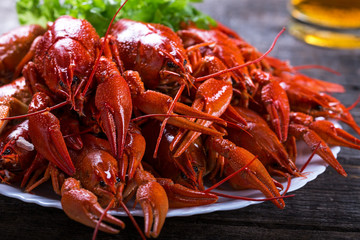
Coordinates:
46 198
182 117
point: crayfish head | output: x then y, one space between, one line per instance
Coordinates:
98 172
16 150
73 92
174 74
65 57
16 158
107 190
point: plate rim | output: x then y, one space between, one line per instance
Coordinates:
316 167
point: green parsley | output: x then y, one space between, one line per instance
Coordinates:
99 12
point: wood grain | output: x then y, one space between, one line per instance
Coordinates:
326 208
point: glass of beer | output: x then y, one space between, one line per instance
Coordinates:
326 23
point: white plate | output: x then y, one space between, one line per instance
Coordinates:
44 196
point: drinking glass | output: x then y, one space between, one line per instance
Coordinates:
326 23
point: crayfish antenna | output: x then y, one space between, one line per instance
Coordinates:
127 212
357 101
133 220
252 199
288 183
209 118
310 158
230 176
199 79
300 67
96 229
100 54
48 109
163 124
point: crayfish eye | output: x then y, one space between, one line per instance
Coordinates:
171 64
183 176
102 183
185 62
118 179
75 80
196 169
62 84
318 107
6 152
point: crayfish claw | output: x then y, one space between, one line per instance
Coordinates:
333 135
154 202
279 111
275 101
254 176
180 196
45 133
212 97
113 101
313 140
82 206
134 149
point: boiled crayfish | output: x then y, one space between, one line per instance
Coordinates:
93 105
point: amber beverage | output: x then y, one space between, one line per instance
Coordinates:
328 23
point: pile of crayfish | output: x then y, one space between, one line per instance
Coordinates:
148 113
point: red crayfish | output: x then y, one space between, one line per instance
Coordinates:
88 101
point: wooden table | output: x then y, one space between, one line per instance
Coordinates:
327 208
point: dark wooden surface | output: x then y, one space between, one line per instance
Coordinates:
327 208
